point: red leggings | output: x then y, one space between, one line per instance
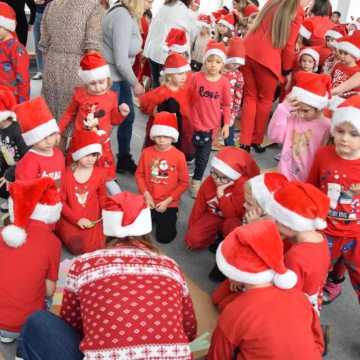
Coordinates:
259 91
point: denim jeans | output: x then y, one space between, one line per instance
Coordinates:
37 34
230 141
46 336
124 131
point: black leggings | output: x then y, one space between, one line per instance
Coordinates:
155 73
202 155
165 225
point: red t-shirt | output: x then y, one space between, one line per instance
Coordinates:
337 177
341 73
163 174
23 273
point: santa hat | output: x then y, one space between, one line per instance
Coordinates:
216 15
253 254
347 111
300 207
7 17
7 104
215 48
264 185
176 64
228 21
236 51
204 20
337 32
165 124
249 10
93 67
312 89
37 199
126 214
85 143
35 120
313 53
176 41
350 44
307 28
234 163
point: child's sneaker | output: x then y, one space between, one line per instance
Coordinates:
195 186
4 207
331 292
191 167
6 340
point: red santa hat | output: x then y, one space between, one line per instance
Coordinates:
337 32
7 104
300 207
347 111
312 89
234 163
204 20
236 51
37 199
7 17
350 44
307 28
215 48
227 20
250 9
253 254
310 52
176 41
176 64
216 15
35 120
264 185
85 143
126 214
165 124
93 67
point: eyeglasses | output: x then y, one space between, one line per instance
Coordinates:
223 179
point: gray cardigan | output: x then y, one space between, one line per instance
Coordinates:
121 43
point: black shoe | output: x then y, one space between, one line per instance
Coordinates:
213 247
126 164
216 275
258 148
245 147
18 355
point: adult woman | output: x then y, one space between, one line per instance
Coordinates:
268 57
173 14
69 28
128 301
121 43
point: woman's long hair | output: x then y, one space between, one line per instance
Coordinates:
135 7
321 8
281 24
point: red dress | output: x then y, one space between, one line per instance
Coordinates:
82 200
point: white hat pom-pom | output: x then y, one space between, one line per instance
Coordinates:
285 281
13 236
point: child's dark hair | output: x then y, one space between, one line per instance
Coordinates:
321 8
144 240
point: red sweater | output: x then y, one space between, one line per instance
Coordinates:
208 102
341 73
163 174
268 323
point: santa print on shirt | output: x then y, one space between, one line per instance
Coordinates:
341 73
236 80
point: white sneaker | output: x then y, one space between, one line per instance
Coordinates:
6 340
37 76
191 167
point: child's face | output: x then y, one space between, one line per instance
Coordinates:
98 87
347 141
307 63
204 31
218 177
222 29
346 59
163 142
177 79
232 67
5 123
214 65
88 161
47 144
249 201
251 19
306 112
4 34
330 42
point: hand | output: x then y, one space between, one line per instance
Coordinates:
293 102
220 190
124 109
84 223
225 131
138 89
355 189
3 182
149 200
236 287
163 205
252 215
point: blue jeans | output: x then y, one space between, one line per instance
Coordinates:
124 131
46 336
230 141
37 35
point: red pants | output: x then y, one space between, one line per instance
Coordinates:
259 91
203 232
223 296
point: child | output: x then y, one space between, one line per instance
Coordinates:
300 210
14 59
41 132
225 28
303 130
335 171
235 59
83 191
348 49
250 13
12 146
308 60
29 253
209 96
162 176
269 319
200 43
94 107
